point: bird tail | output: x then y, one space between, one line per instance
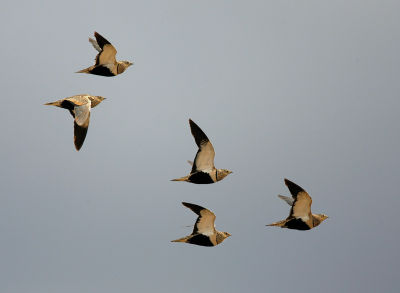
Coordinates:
183 239
86 70
56 103
279 224
181 179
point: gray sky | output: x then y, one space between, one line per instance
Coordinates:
306 90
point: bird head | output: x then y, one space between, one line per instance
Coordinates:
222 173
221 236
127 63
95 100
123 65
318 219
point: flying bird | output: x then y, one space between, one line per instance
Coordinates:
300 217
106 64
204 232
203 169
79 107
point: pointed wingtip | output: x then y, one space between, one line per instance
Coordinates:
78 147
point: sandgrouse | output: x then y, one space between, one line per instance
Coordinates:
204 232
106 64
300 217
79 107
203 169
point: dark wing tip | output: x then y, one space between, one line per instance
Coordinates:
79 135
194 207
101 40
192 124
198 134
293 187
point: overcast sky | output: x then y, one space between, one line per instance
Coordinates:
304 90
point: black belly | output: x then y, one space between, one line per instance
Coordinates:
200 240
297 224
101 70
200 178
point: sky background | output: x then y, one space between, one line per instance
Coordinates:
307 90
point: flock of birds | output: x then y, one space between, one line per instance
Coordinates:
203 169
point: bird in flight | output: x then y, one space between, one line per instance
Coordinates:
106 64
79 106
300 217
204 232
203 169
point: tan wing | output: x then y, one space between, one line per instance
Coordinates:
301 206
302 201
204 159
107 55
81 124
205 222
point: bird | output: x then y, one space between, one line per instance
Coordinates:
300 217
204 232
106 64
79 107
203 169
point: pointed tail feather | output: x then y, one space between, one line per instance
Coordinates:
279 224
86 70
181 179
183 239
56 103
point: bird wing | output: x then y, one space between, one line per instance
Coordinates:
95 45
289 200
302 201
205 221
204 159
81 123
107 53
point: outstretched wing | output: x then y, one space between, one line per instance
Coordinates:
289 200
204 159
301 207
205 221
81 123
107 53
95 45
